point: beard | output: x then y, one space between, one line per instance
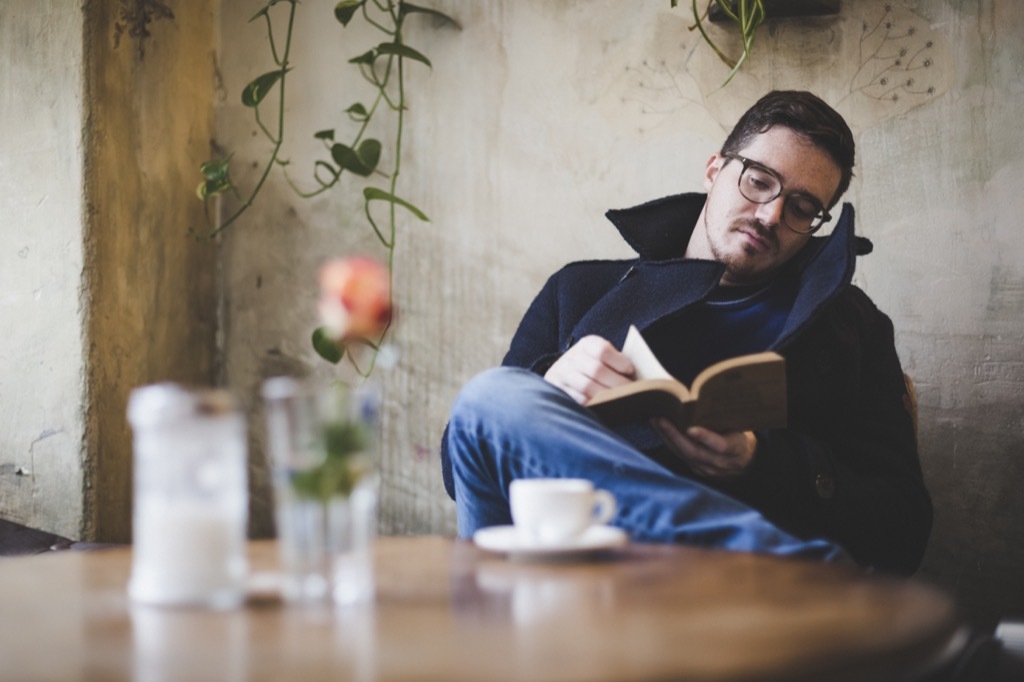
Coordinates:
744 263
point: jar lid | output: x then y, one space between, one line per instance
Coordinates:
167 403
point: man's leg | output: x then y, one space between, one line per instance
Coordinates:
509 423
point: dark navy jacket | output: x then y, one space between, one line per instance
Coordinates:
847 467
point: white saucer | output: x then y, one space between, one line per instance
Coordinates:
508 540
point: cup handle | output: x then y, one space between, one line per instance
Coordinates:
604 507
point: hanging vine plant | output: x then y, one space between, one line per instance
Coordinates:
748 15
383 68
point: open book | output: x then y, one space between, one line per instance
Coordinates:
739 394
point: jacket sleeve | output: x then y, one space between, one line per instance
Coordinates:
849 469
535 345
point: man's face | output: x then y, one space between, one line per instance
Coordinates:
750 238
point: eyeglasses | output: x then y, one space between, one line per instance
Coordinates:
801 213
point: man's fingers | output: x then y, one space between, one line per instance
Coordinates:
686 448
709 439
589 366
706 452
607 356
599 374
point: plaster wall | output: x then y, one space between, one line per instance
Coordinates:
42 364
537 116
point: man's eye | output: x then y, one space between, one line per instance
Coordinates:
760 182
804 208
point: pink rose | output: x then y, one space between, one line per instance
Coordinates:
355 298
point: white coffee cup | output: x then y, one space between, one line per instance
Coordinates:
554 511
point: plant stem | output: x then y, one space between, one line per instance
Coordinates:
390 243
283 63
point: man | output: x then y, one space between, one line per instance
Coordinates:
736 271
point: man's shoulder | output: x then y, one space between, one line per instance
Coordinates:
854 305
584 281
592 268
853 295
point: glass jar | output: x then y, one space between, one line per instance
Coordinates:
190 505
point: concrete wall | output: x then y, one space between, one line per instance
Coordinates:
102 287
42 364
539 115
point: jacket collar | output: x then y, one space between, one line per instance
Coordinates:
659 232
661 229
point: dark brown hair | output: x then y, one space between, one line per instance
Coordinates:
806 115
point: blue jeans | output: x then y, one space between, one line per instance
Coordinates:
509 423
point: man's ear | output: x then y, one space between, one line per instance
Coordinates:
711 169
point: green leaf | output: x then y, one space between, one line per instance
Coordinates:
357 112
217 178
258 89
324 135
326 347
403 51
345 10
342 442
324 481
215 169
342 439
337 478
699 25
375 194
408 8
369 153
306 483
365 58
349 159
211 188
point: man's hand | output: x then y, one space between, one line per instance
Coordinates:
589 366
710 454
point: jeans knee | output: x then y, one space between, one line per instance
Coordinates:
499 395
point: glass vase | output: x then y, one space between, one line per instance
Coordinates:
322 446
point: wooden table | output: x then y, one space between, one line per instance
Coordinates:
446 610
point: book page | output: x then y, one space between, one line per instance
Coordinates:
640 354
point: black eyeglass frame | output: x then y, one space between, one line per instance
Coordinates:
821 217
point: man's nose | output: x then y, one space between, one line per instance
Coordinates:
770 213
